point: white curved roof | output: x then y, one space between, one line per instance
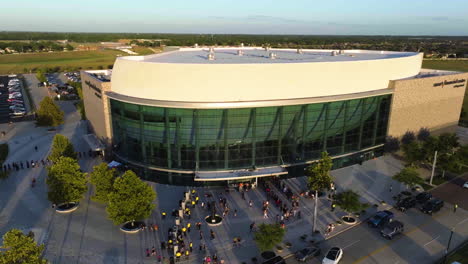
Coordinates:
188 76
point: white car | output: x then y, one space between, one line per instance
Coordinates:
333 256
465 185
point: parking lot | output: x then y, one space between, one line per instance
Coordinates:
12 104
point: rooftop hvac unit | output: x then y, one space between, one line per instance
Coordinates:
211 56
334 53
299 51
272 55
240 52
342 52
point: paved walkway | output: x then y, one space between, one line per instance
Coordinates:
87 236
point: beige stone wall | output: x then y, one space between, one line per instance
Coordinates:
97 109
418 103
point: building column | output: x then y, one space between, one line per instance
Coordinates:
345 119
197 140
304 130
167 130
142 137
363 107
179 153
377 116
226 146
325 127
280 133
253 117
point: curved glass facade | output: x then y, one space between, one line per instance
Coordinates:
223 139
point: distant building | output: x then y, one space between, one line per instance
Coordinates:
196 115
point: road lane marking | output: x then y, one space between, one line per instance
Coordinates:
351 244
431 241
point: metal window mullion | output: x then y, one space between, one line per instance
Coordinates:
168 137
226 147
197 140
363 107
343 140
304 130
142 137
253 116
280 133
325 127
179 152
376 121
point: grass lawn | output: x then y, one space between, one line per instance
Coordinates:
460 255
143 50
451 65
17 63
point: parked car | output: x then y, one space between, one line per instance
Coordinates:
423 197
405 204
392 229
17 107
465 185
13 96
432 206
17 100
333 256
380 218
18 113
306 253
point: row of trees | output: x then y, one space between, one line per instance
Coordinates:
49 113
34 46
127 197
441 44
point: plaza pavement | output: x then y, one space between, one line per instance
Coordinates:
87 236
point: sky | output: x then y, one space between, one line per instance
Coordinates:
321 17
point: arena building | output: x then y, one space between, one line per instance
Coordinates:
198 115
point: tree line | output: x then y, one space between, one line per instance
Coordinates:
427 44
34 46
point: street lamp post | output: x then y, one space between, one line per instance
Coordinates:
448 245
433 167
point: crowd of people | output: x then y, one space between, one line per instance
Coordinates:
20 165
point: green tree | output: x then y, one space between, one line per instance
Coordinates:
66 182
49 114
40 75
408 176
131 199
103 179
61 147
413 152
349 202
268 235
19 248
318 177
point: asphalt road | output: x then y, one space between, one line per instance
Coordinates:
453 192
424 239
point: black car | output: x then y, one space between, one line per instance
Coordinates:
432 206
380 218
423 197
392 229
306 253
405 204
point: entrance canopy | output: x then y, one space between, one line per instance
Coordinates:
93 142
239 174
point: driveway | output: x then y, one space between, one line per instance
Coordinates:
453 192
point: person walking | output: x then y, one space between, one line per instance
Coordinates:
455 206
252 226
212 234
391 188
